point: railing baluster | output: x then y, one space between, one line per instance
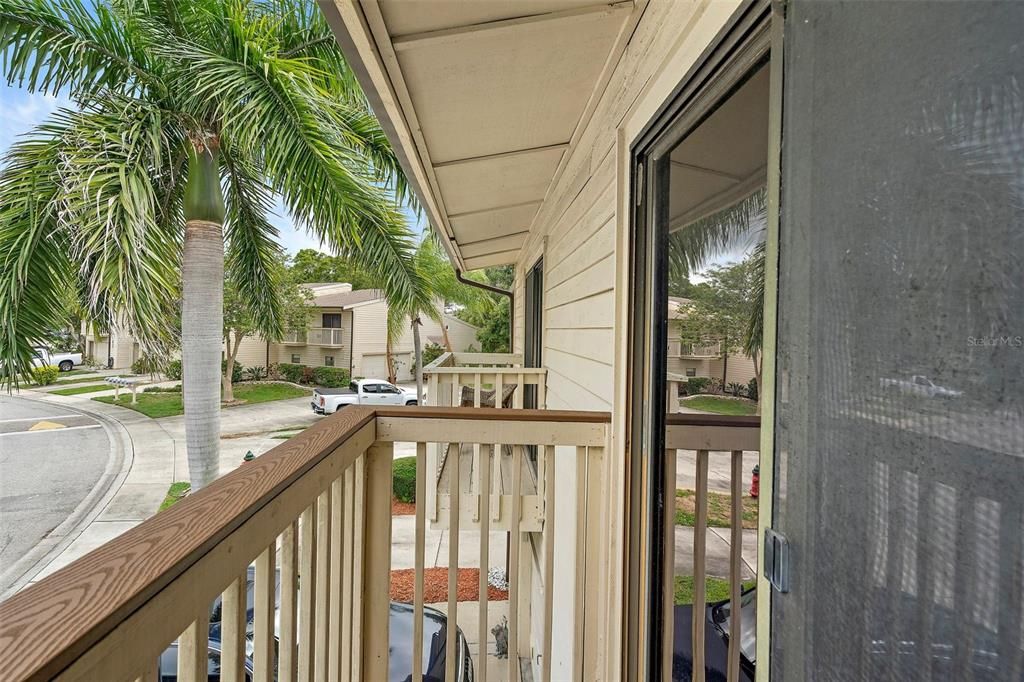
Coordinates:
481 508
334 645
596 576
434 451
700 526
377 562
513 563
233 607
485 560
549 556
348 573
542 390
668 586
517 399
454 491
735 565
263 614
193 649
323 584
499 390
307 591
581 545
287 661
420 559
358 567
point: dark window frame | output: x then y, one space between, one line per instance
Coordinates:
740 48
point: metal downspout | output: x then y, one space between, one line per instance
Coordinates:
502 292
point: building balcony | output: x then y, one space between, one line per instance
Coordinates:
315 336
690 351
314 515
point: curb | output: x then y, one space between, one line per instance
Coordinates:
119 462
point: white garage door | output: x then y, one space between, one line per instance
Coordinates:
374 367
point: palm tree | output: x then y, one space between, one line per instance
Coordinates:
191 115
435 270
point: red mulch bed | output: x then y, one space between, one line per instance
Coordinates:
402 508
435 585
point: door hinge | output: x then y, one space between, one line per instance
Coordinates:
776 560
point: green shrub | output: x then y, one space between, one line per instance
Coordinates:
290 372
147 364
403 479
752 388
737 389
45 375
173 370
330 377
254 373
697 385
236 371
430 352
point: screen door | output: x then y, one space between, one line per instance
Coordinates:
899 447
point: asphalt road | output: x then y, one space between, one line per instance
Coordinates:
51 458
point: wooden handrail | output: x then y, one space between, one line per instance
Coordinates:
747 421
496 414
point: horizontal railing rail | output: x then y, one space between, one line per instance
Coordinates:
706 434
316 336
314 514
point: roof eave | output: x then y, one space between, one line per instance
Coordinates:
360 49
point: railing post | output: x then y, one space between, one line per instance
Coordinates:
376 600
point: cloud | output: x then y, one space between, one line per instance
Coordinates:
21 111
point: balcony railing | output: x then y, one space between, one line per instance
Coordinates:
315 336
695 351
315 514
496 380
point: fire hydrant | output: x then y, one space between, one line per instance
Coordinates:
755 481
248 457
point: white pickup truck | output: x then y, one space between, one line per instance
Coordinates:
65 362
920 385
362 392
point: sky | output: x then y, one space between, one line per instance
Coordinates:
21 111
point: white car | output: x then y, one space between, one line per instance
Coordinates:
65 362
920 385
362 392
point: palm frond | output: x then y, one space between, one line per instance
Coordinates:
253 255
50 45
34 262
115 167
754 338
692 246
268 111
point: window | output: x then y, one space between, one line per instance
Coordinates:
371 388
296 359
691 371
388 388
331 320
329 360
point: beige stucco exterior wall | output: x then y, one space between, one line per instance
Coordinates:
582 233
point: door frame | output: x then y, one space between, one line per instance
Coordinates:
742 46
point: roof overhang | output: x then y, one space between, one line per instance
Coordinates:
481 100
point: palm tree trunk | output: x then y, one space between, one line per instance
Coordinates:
202 313
444 335
228 388
389 358
417 349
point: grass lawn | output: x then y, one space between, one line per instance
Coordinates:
177 491
77 371
718 509
78 380
158 404
716 589
716 405
75 390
